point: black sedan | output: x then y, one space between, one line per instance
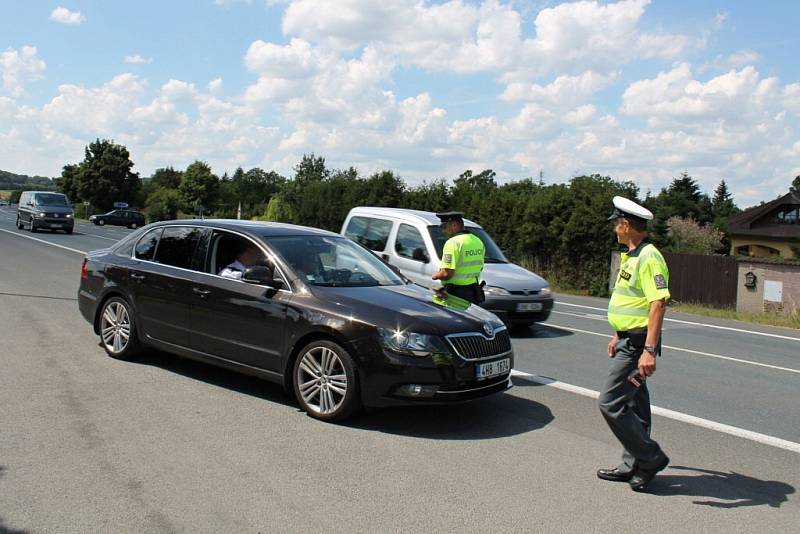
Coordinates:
306 308
129 218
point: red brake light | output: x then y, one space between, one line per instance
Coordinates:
85 269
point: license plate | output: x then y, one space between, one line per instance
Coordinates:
56 225
489 369
529 306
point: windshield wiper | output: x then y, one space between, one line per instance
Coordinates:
493 260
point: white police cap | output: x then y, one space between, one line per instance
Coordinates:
627 208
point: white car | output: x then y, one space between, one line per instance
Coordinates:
413 240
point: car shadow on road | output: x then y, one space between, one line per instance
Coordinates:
721 490
498 416
216 376
538 331
3 528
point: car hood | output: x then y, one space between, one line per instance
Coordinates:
511 277
54 209
408 307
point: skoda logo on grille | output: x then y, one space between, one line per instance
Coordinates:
487 328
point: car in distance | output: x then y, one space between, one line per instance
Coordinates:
413 240
40 210
315 312
129 218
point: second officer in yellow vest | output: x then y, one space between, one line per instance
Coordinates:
462 259
636 312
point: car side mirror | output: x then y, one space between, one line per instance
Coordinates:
420 255
265 276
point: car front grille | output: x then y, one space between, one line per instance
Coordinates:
474 346
526 292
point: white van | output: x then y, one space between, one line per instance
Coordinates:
412 241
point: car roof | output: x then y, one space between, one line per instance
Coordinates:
405 215
48 192
261 228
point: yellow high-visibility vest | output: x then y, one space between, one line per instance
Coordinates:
643 278
464 253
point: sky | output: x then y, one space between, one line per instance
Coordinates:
637 90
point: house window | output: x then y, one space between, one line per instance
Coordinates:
788 216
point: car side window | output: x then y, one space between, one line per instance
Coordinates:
177 246
409 244
146 247
368 231
226 248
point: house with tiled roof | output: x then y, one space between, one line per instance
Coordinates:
771 230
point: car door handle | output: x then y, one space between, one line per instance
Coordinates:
202 292
138 277
385 257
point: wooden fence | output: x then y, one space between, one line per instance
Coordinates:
708 280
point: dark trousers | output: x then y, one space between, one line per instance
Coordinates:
472 292
626 408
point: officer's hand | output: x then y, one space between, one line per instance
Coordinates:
647 364
612 346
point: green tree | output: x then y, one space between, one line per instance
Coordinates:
796 184
69 182
310 169
199 187
14 196
686 236
254 188
106 175
278 210
163 204
166 177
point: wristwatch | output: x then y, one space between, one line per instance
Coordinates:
651 349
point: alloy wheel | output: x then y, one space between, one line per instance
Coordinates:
322 380
115 327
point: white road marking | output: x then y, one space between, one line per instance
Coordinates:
670 414
101 237
43 241
718 356
790 338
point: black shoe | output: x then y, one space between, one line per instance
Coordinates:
614 475
643 476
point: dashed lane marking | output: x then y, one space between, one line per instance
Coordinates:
43 241
667 319
699 353
670 414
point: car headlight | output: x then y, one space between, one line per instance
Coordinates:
40 214
495 291
545 290
68 215
411 343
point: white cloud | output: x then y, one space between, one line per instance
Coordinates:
137 59
65 16
19 67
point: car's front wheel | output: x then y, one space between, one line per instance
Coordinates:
325 381
134 226
100 222
20 226
118 330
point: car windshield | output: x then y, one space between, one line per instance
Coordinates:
493 252
333 262
51 199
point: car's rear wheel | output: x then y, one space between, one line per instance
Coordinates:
117 329
325 382
134 226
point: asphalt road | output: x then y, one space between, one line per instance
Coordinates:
91 444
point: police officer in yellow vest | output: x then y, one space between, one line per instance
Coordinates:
636 313
462 259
